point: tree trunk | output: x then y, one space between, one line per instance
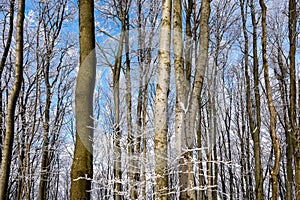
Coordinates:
131 153
2 64
192 107
161 104
293 93
201 64
42 193
273 114
285 124
117 131
82 167
185 168
255 124
12 103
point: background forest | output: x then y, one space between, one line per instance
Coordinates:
174 99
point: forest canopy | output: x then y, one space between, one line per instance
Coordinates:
130 99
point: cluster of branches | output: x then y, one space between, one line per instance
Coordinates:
220 125
37 77
186 100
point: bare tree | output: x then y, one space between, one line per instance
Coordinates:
82 167
293 93
273 114
161 104
12 103
255 123
2 65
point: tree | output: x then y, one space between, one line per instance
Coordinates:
293 94
82 167
255 118
248 86
161 104
273 114
12 103
2 65
182 87
51 35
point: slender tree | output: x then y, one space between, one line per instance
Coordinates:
273 114
12 103
182 87
195 100
255 118
161 104
82 167
293 93
248 86
50 36
2 64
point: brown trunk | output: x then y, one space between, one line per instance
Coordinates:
12 103
293 94
285 124
273 114
117 131
255 124
2 64
21 171
82 167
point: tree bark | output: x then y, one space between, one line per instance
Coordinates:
2 64
285 124
255 125
161 104
273 114
186 175
293 94
192 107
117 131
82 167
131 153
12 103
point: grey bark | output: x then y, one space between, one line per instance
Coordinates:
161 104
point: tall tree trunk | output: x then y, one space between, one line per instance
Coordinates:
143 189
131 153
117 131
140 99
289 145
273 114
12 103
248 100
2 64
255 124
293 93
42 193
82 167
201 64
185 165
22 167
161 104
193 106
228 115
